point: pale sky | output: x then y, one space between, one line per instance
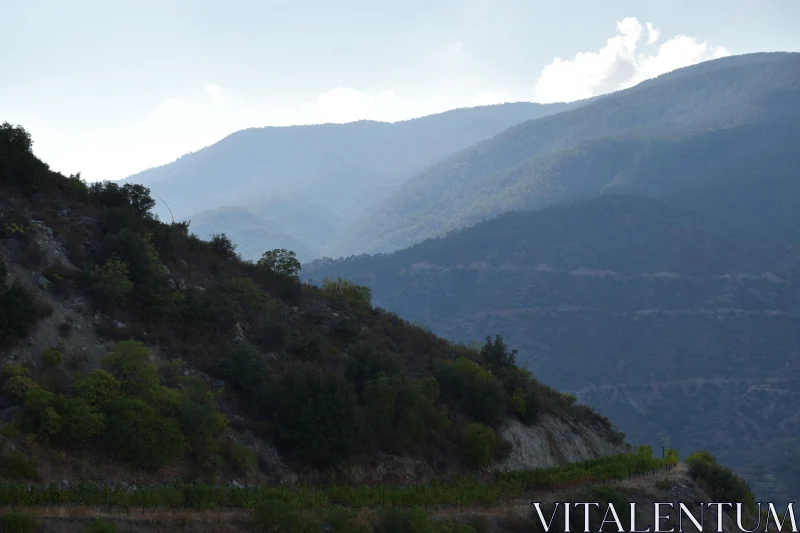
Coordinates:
109 88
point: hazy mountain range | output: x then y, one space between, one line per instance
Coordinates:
640 249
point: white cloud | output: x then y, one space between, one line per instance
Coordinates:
620 63
215 91
456 47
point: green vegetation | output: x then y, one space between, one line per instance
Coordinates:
17 523
17 310
720 482
102 525
463 492
319 372
53 357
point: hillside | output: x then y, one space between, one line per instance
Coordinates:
688 129
342 168
144 369
667 320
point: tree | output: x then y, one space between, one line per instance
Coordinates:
496 354
315 419
223 246
130 363
478 444
82 421
281 261
138 434
111 284
97 387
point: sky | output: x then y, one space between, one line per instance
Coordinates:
112 88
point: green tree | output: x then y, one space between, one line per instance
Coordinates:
477 446
281 261
110 284
130 363
81 421
315 417
359 296
138 434
97 387
497 355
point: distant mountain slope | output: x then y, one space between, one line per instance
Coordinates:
263 225
680 328
674 121
337 165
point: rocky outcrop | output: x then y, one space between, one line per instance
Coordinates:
555 441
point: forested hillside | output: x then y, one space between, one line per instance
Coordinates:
686 137
330 171
681 328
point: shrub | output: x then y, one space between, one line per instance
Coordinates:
17 387
282 262
171 372
82 421
275 516
720 482
11 370
18 523
247 371
97 387
479 393
111 285
223 246
130 363
52 357
242 458
102 525
137 252
477 445
16 466
201 422
138 434
315 416
359 296
18 312
406 521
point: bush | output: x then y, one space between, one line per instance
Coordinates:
52 357
16 466
136 433
359 296
130 363
18 523
82 421
315 416
223 246
477 445
18 312
721 483
277 516
476 390
111 285
242 458
97 387
406 521
102 525
17 387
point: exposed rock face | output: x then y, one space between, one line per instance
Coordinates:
555 441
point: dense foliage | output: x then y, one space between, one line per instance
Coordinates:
318 372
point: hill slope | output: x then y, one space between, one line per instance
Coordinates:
691 126
680 328
146 354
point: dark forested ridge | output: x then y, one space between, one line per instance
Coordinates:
688 129
664 318
330 168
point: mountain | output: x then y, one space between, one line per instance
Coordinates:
143 367
686 129
261 225
342 167
667 319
